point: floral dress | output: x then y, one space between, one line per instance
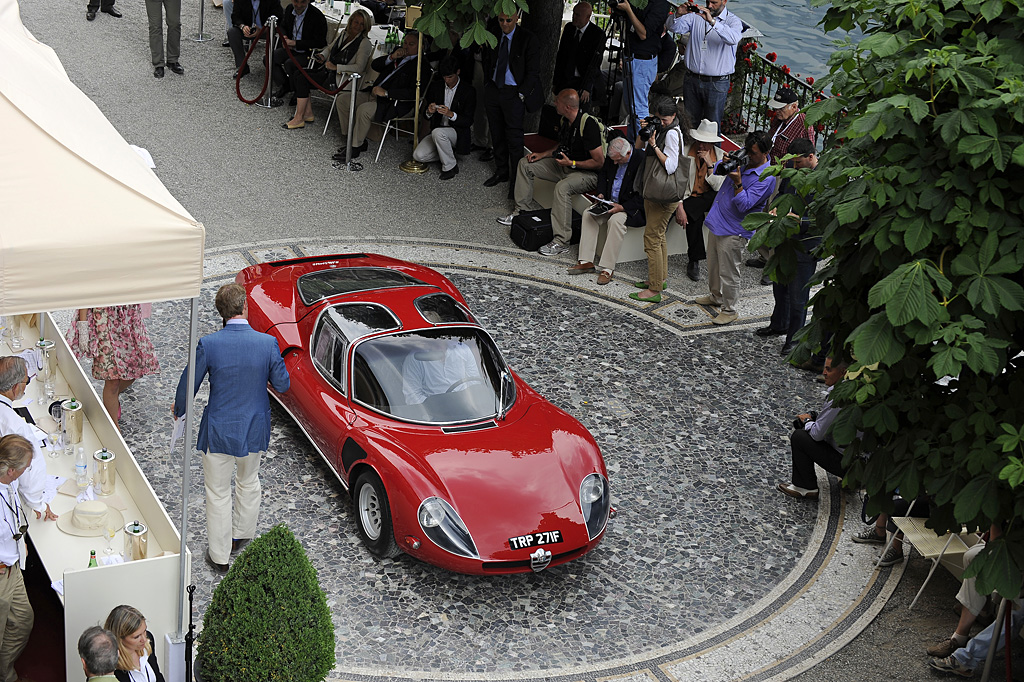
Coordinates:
118 343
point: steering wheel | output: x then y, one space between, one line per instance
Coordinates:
466 380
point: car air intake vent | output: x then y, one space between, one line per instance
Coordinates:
472 427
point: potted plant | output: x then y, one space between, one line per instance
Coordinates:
268 619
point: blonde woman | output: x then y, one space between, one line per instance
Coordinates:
136 661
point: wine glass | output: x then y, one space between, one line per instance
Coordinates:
111 532
53 443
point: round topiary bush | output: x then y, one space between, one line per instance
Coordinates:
268 620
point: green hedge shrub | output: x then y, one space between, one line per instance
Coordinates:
268 619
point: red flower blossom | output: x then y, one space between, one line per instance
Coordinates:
763 80
810 80
747 60
785 69
771 56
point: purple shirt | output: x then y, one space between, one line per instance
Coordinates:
727 213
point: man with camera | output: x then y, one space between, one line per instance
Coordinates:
643 43
745 193
572 166
710 57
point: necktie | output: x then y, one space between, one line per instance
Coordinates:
502 64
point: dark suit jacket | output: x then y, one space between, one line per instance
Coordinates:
241 14
240 362
401 87
464 106
586 59
523 60
314 28
632 200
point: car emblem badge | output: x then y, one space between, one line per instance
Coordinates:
540 559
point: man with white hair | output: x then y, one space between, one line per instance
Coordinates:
625 208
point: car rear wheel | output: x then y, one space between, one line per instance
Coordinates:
373 516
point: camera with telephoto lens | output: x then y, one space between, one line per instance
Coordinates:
650 126
690 7
561 150
731 162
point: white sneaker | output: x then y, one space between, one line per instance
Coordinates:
553 248
506 219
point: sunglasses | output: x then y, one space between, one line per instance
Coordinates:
21 532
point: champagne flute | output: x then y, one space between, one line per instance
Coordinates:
111 532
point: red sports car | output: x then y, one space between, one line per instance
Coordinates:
448 455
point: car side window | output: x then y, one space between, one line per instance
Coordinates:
329 348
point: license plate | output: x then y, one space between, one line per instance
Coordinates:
547 537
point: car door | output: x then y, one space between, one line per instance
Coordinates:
326 410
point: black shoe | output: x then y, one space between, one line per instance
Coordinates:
176 67
233 74
487 155
238 544
158 72
217 568
450 173
225 44
89 16
769 331
693 270
755 262
787 348
495 179
766 280
810 366
356 151
112 12
276 101
280 93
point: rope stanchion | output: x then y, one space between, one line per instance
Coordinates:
201 37
245 63
354 166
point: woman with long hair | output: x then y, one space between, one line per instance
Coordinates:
136 661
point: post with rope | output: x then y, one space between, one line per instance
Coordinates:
413 13
201 37
349 163
271 28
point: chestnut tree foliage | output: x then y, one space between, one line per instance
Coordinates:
919 199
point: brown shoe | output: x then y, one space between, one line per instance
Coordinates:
580 269
943 649
604 277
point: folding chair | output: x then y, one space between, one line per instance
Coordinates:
411 116
947 549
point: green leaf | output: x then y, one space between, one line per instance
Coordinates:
882 44
944 362
999 569
968 501
874 341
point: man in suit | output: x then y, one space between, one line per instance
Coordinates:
451 105
616 183
305 30
235 428
578 61
98 650
511 88
393 92
247 18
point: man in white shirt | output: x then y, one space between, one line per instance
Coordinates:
452 104
13 382
16 615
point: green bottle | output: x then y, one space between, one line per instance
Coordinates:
92 559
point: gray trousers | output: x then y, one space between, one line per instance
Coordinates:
155 10
567 183
439 144
725 254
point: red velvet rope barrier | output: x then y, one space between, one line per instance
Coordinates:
266 78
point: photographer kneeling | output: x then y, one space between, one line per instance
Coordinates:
572 166
666 182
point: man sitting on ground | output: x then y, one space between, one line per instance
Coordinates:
393 92
580 154
615 183
968 658
813 444
452 103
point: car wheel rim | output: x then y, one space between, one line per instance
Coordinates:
370 511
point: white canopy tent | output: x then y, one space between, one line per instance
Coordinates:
84 222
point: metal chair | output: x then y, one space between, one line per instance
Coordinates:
411 116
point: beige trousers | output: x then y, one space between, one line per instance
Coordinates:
225 521
17 617
658 215
725 255
567 183
615 230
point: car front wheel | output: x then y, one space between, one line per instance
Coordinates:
373 516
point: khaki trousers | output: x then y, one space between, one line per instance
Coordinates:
725 255
342 106
658 215
615 230
567 183
17 617
224 521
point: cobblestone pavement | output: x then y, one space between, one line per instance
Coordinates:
706 574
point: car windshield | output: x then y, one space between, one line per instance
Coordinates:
437 376
322 284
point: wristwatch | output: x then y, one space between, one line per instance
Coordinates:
573 164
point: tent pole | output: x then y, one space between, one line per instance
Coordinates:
186 460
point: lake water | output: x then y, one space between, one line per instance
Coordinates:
791 29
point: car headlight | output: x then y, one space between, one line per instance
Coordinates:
442 525
595 501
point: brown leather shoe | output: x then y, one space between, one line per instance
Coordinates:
604 277
580 268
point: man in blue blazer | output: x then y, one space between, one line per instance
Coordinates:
235 429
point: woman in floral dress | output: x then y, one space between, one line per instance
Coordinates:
116 340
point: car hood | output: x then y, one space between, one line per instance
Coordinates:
515 479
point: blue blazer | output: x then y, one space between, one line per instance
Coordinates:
240 362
